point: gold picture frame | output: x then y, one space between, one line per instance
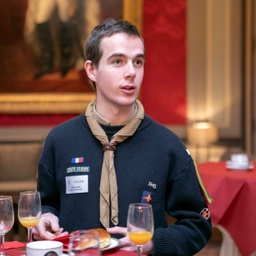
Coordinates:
61 103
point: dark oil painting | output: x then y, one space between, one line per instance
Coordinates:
42 43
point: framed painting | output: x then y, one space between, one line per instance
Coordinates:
42 55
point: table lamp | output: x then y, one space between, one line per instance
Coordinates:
202 134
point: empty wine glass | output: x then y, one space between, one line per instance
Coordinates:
140 224
29 210
6 219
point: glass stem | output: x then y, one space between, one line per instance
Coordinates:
139 250
2 245
30 235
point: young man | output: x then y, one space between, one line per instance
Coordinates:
93 166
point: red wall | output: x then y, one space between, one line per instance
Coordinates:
34 120
164 87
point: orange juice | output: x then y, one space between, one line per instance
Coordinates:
140 237
29 222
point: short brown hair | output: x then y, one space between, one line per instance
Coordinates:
107 28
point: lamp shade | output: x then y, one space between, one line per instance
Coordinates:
202 134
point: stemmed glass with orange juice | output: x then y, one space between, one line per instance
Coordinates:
29 210
140 224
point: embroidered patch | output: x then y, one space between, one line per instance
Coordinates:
76 160
76 169
205 213
147 197
152 185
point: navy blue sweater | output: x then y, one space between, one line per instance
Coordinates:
153 160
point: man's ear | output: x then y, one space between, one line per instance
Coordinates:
90 70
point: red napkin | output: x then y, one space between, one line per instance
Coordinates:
64 240
13 245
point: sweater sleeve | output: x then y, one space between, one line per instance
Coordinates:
46 182
185 203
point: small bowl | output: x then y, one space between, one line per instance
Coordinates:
40 248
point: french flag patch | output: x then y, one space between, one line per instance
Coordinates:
76 160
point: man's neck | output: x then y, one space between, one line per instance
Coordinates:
115 116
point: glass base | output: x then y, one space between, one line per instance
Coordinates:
5 254
23 249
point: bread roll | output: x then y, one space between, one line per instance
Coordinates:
104 239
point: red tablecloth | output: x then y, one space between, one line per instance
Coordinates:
113 252
234 206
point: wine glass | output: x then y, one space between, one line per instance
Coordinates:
140 224
84 243
6 219
29 210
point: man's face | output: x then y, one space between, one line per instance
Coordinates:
120 71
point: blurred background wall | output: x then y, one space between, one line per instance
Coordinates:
200 67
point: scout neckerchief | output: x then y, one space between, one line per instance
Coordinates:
108 184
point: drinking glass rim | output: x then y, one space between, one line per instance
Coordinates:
78 232
5 196
143 205
29 192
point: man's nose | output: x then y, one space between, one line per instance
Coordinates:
130 70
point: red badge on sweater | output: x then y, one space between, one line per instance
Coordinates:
205 213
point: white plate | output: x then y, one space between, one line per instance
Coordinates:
114 243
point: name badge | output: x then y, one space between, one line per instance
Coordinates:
77 184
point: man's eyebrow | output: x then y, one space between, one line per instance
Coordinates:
114 55
140 56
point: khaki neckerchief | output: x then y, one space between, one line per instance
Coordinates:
108 184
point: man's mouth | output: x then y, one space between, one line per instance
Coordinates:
128 87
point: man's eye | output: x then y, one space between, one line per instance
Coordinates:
117 61
138 62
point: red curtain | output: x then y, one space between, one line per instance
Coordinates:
164 87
